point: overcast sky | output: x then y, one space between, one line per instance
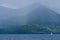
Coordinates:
52 4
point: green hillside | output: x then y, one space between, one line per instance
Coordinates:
31 29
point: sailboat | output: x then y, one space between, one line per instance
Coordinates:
51 36
51 33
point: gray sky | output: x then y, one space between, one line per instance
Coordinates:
52 4
16 3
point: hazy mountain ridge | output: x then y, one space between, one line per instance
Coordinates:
13 17
30 21
43 14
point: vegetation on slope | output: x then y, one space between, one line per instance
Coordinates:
31 29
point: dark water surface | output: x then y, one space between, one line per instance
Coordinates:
29 37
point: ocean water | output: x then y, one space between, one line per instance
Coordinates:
29 37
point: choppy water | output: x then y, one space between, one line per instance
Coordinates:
29 37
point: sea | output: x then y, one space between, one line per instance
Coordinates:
29 37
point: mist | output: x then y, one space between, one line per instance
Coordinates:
16 4
15 12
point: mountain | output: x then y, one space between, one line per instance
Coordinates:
14 17
33 19
43 15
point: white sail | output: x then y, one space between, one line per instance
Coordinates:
51 33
